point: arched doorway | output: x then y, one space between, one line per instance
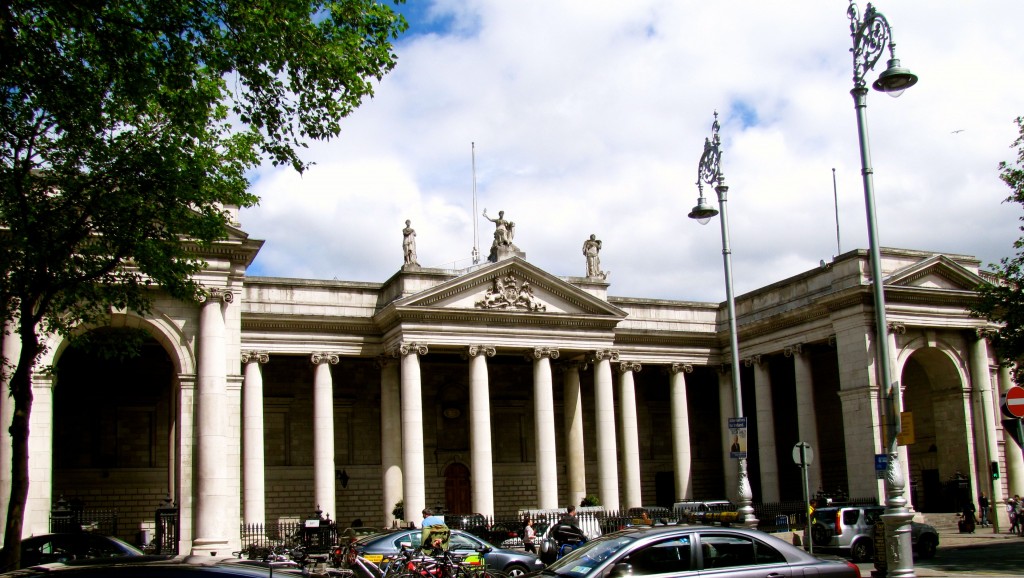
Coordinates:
457 495
114 419
939 457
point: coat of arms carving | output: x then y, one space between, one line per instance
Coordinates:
507 293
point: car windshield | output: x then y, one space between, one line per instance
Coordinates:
587 558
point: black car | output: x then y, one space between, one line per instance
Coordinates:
684 551
141 567
65 547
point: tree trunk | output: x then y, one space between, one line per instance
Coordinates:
21 392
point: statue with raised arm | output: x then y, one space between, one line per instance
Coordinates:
409 244
504 231
591 250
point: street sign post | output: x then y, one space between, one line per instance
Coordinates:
803 456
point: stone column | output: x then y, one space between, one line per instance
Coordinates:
680 429
575 457
480 429
253 465
544 428
725 411
980 377
390 436
40 455
630 434
212 526
11 350
806 417
413 476
766 450
1012 452
323 432
604 423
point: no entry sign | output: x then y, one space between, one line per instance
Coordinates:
1013 402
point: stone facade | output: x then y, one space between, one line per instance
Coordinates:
504 387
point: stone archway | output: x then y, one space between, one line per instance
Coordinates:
939 459
113 424
457 493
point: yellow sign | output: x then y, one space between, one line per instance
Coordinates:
906 436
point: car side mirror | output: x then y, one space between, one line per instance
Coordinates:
621 569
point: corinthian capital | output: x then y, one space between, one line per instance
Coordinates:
255 357
542 352
605 355
212 294
680 368
633 366
408 348
324 357
485 350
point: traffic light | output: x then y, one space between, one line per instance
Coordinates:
995 470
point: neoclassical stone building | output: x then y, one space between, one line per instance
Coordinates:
504 386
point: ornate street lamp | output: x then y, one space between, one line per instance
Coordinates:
871 35
709 171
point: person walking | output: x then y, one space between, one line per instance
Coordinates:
529 537
1011 510
983 509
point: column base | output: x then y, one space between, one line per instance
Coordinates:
208 550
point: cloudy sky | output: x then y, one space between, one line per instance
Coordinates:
589 117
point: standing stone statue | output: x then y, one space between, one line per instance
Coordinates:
504 232
591 250
409 245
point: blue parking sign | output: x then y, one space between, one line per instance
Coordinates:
881 464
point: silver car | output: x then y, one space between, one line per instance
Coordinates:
684 551
850 530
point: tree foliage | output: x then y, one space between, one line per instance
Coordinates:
127 126
1002 302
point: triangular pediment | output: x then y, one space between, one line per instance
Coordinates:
937 272
511 286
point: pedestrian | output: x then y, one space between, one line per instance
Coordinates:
967 518
569 517
1018 513
983 509
529 536
1011 511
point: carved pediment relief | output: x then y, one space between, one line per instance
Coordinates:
508 293
937 272
513 286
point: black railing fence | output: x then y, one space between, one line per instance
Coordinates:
316 534
72 516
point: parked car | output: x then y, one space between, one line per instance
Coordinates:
383 548
682 551
64 547
475 524
144 567
850 531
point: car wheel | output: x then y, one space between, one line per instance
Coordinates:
820 534
861 550
516 570
926 547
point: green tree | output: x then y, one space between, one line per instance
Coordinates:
130 126
1003 300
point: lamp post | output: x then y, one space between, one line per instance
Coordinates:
709 171
871 35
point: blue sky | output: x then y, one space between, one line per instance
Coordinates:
589 117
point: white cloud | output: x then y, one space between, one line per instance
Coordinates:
590 117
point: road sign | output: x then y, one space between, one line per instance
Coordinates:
803 455
1013 401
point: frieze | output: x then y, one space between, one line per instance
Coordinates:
506 293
